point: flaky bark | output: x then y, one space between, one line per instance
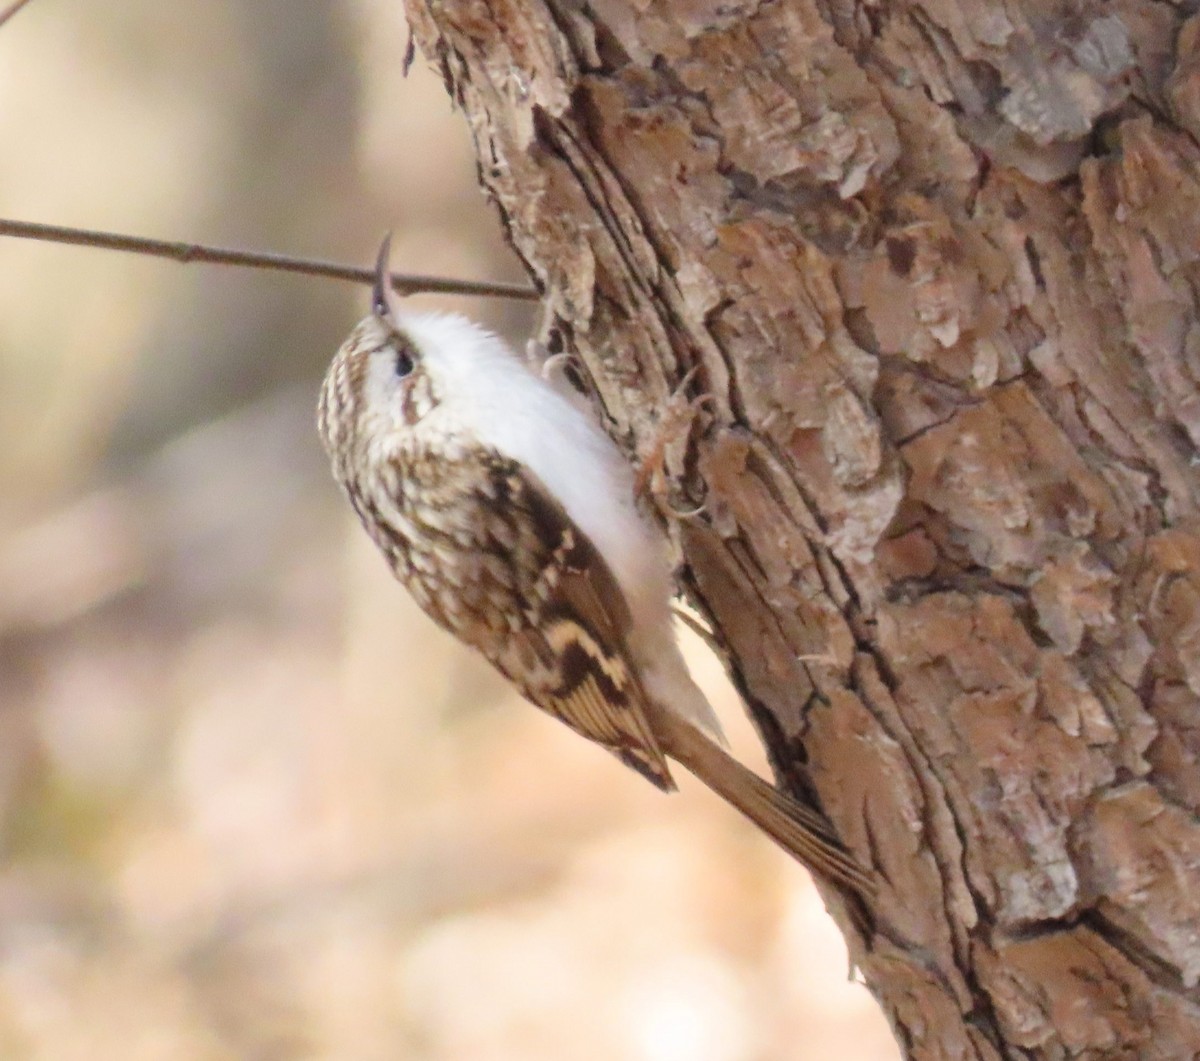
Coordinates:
936 266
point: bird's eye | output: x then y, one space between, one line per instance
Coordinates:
404 362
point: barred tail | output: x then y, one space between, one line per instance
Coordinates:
798 829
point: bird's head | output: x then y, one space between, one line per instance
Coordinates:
384 379
420 382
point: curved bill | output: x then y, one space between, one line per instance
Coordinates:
383 297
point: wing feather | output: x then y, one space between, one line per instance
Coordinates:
493 557
577 627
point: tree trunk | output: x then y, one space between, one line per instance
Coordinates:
935 267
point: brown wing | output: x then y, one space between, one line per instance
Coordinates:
491 556
569 655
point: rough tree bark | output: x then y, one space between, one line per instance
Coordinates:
937 265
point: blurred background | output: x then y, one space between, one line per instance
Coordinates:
252 804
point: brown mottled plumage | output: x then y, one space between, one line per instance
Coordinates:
509 517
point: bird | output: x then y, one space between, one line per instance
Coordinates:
511 518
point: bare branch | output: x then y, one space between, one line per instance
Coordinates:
405 283
11 10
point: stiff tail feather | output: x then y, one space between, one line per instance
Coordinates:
798 829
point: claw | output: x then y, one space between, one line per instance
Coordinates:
676 422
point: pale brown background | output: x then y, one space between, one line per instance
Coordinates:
253 804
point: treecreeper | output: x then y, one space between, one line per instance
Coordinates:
510 516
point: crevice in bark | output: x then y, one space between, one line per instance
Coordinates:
1131 948
938 270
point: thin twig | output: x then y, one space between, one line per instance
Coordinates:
405 283
11 10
